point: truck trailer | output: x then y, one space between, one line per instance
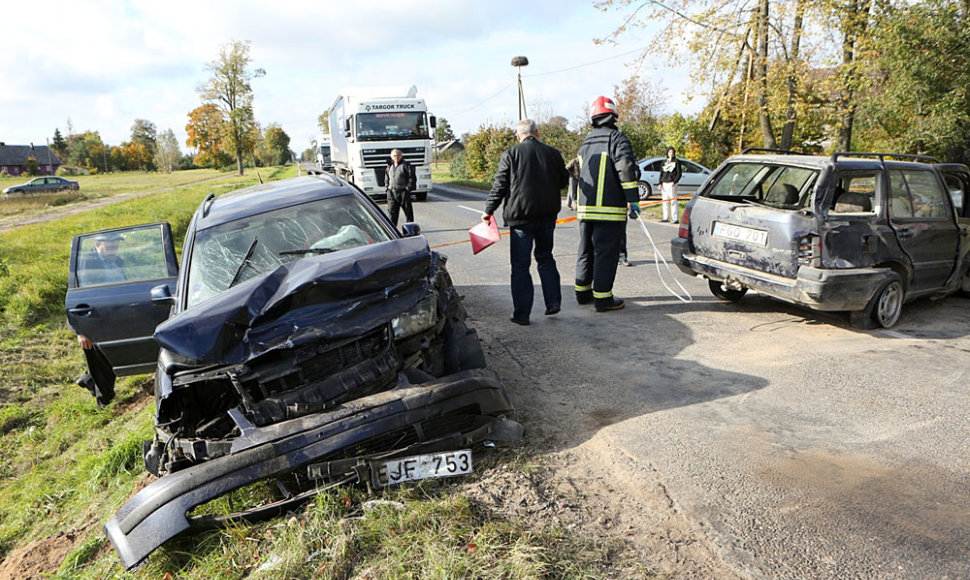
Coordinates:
366 123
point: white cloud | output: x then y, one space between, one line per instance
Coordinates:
104 63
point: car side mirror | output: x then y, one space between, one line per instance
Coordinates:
411 229
162 295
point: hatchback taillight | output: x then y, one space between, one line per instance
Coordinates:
809 250
684 230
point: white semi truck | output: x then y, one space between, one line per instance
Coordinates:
322 147
367 123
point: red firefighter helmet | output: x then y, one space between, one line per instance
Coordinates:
602 106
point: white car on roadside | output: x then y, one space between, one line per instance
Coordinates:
694 174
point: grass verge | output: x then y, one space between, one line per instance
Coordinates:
68 467
441 175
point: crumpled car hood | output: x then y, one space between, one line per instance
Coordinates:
331 296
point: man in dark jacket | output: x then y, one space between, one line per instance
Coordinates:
399 182
607 193
529 180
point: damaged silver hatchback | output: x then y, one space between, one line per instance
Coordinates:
303 341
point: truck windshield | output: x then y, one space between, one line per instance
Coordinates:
386 126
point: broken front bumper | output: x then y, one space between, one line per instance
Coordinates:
823 289
159 511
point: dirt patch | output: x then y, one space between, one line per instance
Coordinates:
39 559
577 490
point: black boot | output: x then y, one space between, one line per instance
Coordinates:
607 304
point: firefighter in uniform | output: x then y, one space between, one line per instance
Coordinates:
607 193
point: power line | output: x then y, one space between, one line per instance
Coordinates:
552 72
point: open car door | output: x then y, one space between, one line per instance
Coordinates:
112 273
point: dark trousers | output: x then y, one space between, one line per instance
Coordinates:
521 241
99 379
396 201
599 251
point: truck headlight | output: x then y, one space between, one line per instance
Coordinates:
420 318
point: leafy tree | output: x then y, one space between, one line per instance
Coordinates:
86 150
167 151
443 132
278 143
323 121
920 102
229 89
144 133
59 145
205 136
32 167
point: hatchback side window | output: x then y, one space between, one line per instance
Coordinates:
957 190
855 194
916 194
689 167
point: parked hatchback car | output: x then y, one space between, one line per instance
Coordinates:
303 340
693 176
43 185
856 232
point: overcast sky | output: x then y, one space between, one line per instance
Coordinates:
104 63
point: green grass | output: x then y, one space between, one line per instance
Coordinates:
441 175
68 467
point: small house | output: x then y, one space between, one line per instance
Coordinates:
13 159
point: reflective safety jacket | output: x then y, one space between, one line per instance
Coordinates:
608 179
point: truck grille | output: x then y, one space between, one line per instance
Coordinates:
379 157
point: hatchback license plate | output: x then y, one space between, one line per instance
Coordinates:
741 234
417 467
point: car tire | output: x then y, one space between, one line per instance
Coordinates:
964 288
727 294
421 195
885 308
644 190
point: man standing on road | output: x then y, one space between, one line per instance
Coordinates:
529 180
607 192
399 182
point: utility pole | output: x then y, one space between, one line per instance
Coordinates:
519 62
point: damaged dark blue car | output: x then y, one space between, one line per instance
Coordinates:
303 341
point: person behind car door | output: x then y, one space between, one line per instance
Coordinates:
399 182
529 180
100 265
607 193
670 174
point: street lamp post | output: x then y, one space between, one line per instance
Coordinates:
519 62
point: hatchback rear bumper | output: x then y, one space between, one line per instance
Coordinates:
817 288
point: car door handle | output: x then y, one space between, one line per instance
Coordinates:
905 233
81 310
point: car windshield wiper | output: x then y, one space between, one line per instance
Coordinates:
245 260
308 251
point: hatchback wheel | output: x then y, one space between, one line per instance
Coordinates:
885 308
724 293
644 190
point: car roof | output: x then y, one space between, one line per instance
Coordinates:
267 197
820 161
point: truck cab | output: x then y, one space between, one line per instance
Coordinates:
366 124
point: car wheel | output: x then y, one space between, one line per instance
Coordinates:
885 307
644 190
729 294
965 283
421 195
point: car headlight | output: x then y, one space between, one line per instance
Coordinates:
420 318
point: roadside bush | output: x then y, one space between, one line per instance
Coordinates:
484 150
459 168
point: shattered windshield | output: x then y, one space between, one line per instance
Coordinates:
231 253
383 126
775 185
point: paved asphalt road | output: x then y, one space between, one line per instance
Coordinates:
804 448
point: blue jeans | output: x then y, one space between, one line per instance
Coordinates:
521 241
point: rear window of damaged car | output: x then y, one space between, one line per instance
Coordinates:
780 186
231 253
